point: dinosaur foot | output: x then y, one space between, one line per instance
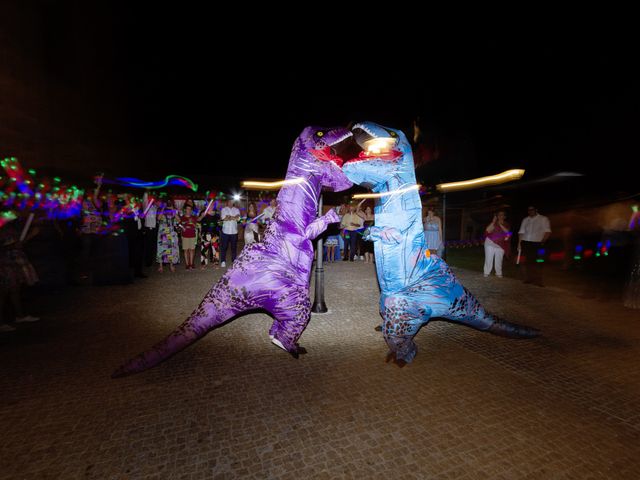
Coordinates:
294 353
391 356
299 351
512 330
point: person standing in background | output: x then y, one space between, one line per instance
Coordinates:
90 226
366 245
15 270
496 243
351 222
150 230
188 224
433 232
534 232
251 232
167 248
134 231
230 216
269 212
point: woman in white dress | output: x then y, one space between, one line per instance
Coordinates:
433 231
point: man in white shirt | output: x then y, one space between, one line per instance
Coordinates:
229 216
134 231
268 212
351 222
150 230
534 232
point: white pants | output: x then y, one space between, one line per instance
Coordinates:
491 252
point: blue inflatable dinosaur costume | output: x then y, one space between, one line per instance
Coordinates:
415 285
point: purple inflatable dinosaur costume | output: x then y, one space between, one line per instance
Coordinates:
274 274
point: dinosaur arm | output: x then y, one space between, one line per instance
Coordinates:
388 235
319 225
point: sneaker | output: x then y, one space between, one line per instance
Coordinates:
6 328
361 257
223 264
28 318
485 276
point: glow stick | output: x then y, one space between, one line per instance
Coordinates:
256 218
148 207
23 235
208 206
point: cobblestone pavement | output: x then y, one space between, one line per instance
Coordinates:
471 406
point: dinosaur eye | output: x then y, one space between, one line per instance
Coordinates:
320 134
393 134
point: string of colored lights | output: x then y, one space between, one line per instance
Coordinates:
19 190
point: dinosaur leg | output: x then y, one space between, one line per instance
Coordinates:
292 313
466 309
402 318
223 302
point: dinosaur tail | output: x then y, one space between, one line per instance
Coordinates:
512 330
466 309
204 318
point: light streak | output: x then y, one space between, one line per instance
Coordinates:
503 177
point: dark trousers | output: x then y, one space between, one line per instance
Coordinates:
150 245
350 245
136 250
227 239
88 244
532 268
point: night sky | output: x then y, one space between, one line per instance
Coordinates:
194 100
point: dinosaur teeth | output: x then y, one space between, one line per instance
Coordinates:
342 138
365 128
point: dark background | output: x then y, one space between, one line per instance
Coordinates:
149 90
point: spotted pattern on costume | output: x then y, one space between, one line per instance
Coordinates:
273 274
414 286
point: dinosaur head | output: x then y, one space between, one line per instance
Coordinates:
321 151
386 153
